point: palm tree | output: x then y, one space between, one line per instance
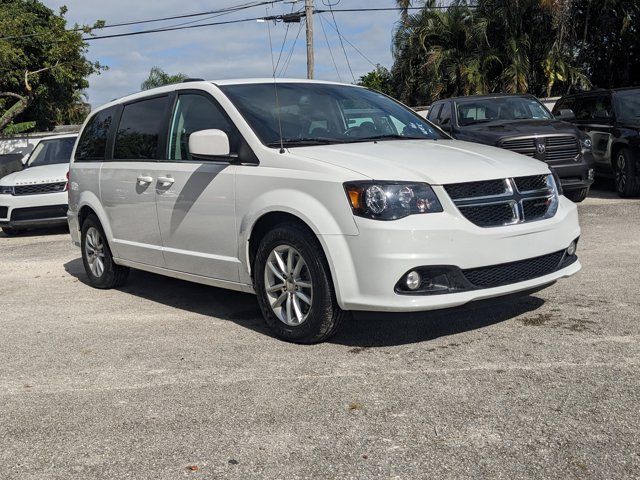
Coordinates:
442 52
158 77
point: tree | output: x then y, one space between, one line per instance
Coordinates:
378 79
43 64
158 77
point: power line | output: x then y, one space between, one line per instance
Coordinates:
215 13
352 45
335 65
346 57
285 66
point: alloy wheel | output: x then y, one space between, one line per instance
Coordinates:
94 250
288 285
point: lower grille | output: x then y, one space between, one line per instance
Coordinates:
38 213
3 212
39 188
514 272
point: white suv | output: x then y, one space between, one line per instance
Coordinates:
319 197
37 195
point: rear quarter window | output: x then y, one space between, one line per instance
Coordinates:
93 141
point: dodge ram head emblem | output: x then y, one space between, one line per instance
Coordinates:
542 148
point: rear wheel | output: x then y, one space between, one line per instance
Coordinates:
578 195
627 180
294 288
97 259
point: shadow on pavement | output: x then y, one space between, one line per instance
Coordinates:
363 329
37 232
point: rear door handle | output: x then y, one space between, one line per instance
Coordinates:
142 179
165 181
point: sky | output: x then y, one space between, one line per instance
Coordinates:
227 51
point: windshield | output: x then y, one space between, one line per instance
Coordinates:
49 152
500 109
316 114
628 105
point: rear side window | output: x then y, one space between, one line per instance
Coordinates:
93 141
434 111
140 129
445 113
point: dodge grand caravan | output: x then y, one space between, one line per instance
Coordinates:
318 197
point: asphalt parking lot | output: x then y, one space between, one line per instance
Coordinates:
167 379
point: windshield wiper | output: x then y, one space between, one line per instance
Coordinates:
300 142
373 138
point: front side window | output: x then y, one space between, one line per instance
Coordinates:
445 113
93 141
194 113
628 105
51 152
314 114
500 109
140 128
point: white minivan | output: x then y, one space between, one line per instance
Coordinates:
318 197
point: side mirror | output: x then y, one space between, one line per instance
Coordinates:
445 125
209 144
566 114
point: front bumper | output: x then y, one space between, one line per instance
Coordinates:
576 175
31 211
366 267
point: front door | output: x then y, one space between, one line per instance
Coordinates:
128 182
195 198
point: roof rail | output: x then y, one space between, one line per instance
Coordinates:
193 80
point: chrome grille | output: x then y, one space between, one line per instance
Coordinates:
518 200
40 188
551 148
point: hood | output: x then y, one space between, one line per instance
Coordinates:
34 175
436 162
492 133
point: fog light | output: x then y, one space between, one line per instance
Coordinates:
572 249
413 280
591 174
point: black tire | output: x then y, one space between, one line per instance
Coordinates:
578 195
10 232
324 315
627 178
112 275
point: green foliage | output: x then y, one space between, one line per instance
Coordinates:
543 47
41 61
158 78
378 79
15 128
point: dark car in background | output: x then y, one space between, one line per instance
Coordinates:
611 118
522 124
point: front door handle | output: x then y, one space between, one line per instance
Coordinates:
142 179
165 181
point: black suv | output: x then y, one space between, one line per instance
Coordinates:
522 124
612 119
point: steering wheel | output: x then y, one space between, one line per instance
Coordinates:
364 130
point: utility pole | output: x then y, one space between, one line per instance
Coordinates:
308 11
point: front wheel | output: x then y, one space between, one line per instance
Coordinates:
97 259
578 195
627 179
294 287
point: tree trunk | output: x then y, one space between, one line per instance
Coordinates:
15 110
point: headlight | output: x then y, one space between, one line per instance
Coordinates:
6 190
556 180
391 200
585 144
